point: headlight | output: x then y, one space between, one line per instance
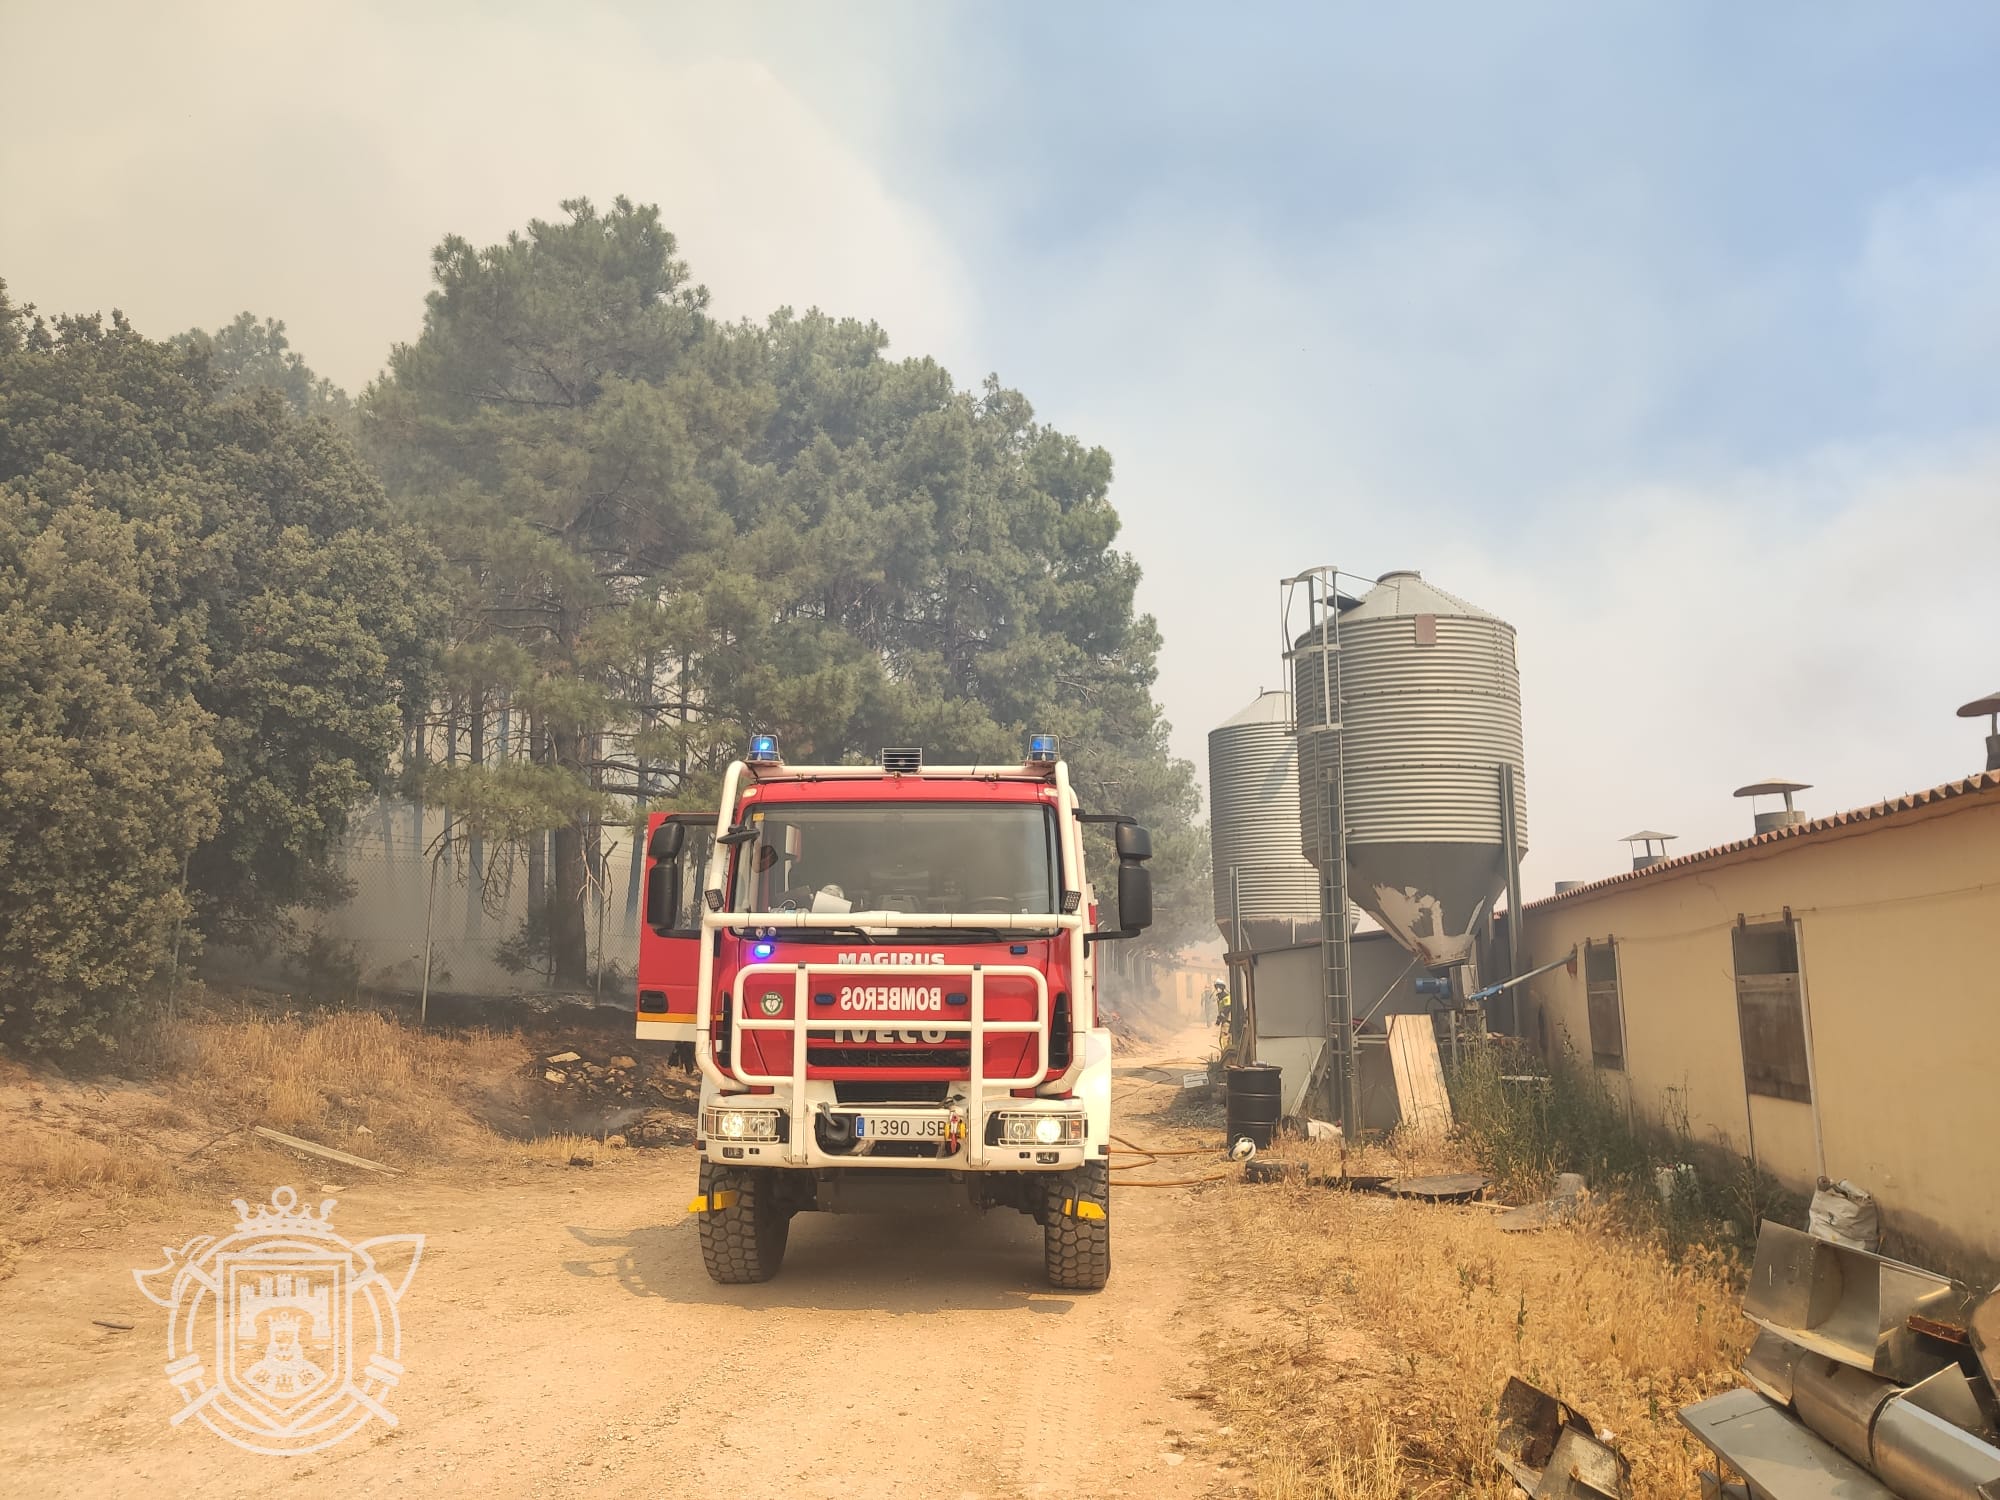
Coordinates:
1038 1129
742 1124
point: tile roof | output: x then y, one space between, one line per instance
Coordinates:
1984 781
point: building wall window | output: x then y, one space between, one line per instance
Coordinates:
1770 1010
1607 1025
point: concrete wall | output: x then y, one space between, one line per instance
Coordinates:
1899 926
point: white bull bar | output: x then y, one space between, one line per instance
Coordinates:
974 1026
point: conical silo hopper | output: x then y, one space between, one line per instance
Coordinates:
1253 829
1431 697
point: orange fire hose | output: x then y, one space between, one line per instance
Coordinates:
1151 1156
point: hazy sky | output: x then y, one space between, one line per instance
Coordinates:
1667 332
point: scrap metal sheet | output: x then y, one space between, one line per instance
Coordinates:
1780 1457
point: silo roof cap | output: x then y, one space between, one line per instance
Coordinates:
1649 836
1405 593
1979 708
1272 706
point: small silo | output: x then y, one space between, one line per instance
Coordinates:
1253 827
1431 693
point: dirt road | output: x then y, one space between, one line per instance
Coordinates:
561 1338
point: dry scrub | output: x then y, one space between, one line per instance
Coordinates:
346 1073
561 1149
1375 1335
356 1080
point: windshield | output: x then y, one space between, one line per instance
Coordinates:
941 857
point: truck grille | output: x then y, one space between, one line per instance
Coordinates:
829 1056
891 1091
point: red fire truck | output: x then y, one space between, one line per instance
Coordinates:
887 979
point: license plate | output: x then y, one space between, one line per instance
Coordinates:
899 1127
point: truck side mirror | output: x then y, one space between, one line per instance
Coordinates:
663 895
1135 895
663 880
1132 842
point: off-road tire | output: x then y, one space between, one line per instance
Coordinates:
1077 1252
744 1242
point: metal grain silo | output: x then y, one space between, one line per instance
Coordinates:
1253 827
1431 697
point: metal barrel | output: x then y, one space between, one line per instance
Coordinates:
1255 1101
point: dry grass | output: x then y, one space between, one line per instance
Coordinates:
75 1164
559 1150
1378 1333
353 1078
350 1079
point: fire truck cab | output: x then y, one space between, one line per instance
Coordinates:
887 979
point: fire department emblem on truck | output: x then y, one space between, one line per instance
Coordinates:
283 1336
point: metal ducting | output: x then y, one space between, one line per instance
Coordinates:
1858 1375
1431 710
1253 827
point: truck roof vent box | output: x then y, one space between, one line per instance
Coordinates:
906 759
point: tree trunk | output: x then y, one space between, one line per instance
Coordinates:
594 865
538 841
417 757
636 875
569 937
475 853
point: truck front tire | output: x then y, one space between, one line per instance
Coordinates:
744 1241
1076 1228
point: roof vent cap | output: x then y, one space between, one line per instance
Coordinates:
1775 786
1987 708
1654 846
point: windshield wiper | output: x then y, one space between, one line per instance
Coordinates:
971 934
810 934
797 934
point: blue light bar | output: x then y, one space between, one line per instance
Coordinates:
1042 747
763 750
761 950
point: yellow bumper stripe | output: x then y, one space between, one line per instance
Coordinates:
712 1202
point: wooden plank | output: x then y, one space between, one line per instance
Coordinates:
1420 1090
313 1148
